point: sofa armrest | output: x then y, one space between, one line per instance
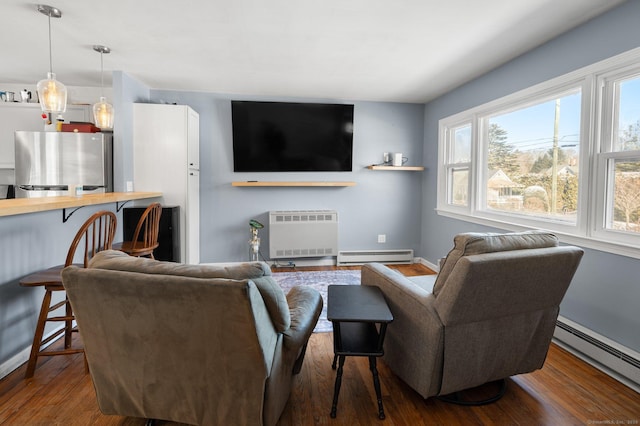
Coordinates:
414 341
305 306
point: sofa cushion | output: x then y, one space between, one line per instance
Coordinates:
470 243
425 282
258 272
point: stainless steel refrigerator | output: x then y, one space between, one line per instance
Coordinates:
51 163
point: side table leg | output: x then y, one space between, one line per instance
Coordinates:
376 385
336 390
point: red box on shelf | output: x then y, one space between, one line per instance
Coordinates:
80 127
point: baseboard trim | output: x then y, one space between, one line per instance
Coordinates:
16 361
426 263
610 357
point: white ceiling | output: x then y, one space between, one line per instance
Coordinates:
377 50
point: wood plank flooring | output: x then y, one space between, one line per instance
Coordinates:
566 391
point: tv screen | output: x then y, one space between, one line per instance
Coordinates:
291 137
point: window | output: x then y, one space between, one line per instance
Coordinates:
457 163
619 158
563 155
533 159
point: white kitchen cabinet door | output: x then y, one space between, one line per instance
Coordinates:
193 217
165 142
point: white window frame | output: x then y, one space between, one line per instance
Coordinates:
445 161
597 115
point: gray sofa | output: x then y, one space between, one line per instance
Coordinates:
489 314
194 344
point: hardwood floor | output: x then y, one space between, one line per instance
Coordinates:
407 270
566 391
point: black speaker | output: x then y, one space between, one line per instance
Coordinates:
168 235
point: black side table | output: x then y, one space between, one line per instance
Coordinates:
356 312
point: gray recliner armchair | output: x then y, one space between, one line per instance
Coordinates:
196 344
489 314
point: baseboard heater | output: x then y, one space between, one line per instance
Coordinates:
359 257
303 233
615 358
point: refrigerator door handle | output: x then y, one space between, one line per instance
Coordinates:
92 187
44 187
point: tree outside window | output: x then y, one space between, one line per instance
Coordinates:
532 159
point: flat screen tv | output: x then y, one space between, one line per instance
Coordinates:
292 137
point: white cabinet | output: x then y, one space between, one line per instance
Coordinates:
166 151
27 116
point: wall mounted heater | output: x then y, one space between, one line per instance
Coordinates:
303 233
359 257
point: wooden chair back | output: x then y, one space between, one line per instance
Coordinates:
145 237
95 235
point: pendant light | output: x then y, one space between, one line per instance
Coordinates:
51 93
102 111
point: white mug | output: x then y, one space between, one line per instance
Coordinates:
7 96
75 190
397 159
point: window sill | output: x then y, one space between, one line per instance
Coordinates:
567 238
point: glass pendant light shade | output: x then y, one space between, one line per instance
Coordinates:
102 111
103 114
52 94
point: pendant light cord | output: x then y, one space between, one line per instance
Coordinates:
101 74
50 54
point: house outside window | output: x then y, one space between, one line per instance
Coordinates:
563 155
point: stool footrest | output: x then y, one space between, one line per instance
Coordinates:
52 337
64 318
58 305
63 352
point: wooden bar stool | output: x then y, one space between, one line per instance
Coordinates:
145 237
96 234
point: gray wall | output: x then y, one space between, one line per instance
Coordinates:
126 91
380 203
605 293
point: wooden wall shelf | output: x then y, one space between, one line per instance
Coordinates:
405 168
317 183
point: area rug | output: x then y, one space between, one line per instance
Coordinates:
320 280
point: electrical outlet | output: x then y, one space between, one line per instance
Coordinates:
129 186
386 157
382 238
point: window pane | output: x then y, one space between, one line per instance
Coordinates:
533 159
461 146
628 115
626 197
459 190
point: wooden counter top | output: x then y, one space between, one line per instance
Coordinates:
31 205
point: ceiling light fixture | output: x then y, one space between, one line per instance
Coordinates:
102 111
51 93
